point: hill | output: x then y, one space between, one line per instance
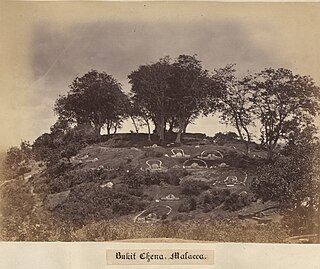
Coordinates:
131 183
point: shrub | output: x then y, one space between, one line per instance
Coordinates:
235 202
172 177
188 205
291 179
90 202
193 187
16 199
210 200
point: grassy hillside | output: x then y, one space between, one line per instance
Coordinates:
126 188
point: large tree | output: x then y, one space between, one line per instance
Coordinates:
140 116
282 100
170 92
94 98
150 90
233 102
188 84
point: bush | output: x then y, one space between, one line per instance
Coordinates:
90 202
188 205
16 199
68 179
235 202
17 161
289 180
210 200
193 187
172 177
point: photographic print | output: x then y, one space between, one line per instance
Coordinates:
160 121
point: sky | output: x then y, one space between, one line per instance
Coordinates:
65 41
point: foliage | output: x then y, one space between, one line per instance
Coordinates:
188 84
52 147
234 102
188 205
211 199
222 138
16 199
139 115
282 100
67 178
17 160
150 91
92 202
235 202
169 92
290 180
193 187
94 98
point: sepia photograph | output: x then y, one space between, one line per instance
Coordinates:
160 122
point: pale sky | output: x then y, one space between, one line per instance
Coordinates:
48 44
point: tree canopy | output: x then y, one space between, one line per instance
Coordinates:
234 105
282 100
94 98
170 91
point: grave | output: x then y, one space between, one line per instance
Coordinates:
232 181
176 166
152 214
179 153
150 147
155 166
210 155
195 164
170 197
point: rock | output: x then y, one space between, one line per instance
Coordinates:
108 185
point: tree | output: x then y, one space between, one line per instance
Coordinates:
170 92
234 102
188 84
94 98
150 89
282 100
17 160
140 116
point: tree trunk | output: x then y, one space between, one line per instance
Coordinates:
134 124
178 138
182 125
271 147
98 125
185 129
162 127
171 125
97 129
108 128
149 132
270 154
247 142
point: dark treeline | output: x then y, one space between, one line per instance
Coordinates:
168 95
